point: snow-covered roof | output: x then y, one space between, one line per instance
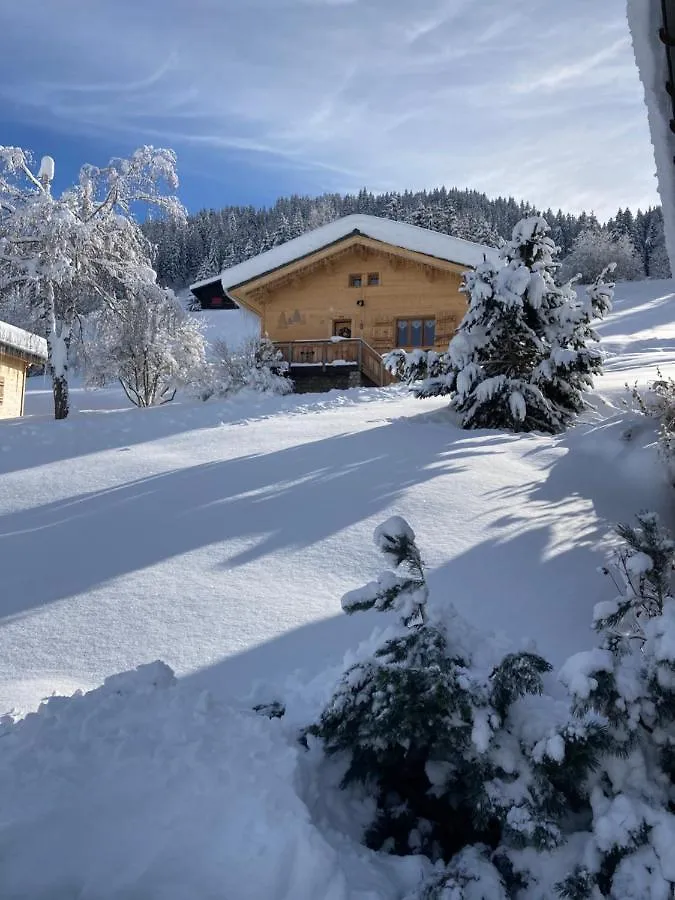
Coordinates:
24 342
651 56
398 234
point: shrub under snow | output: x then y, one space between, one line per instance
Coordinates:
148 343
658 402
256 366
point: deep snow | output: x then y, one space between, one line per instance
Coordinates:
220 538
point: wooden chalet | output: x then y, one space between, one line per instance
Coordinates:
337 298
19 349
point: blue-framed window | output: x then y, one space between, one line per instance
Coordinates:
415 332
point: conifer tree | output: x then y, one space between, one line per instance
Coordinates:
427 726
210 265
628 681
521 357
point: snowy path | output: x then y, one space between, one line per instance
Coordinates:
220 537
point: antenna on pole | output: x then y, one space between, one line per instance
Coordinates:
46 172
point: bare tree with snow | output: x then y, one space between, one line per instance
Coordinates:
148 343
72 253
595 249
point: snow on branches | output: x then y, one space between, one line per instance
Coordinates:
257 366
77 252
628 682
148 343
523 355
434 723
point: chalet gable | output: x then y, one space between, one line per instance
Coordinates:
366 252
416 245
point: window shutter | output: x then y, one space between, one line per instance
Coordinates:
2 390
446 326
383 336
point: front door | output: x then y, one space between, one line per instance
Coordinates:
342 328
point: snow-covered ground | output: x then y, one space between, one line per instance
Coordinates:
220 538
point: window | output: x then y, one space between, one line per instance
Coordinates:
342 328
415 332
355 281
2 391
373 279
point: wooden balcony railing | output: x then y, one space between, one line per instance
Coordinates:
353 352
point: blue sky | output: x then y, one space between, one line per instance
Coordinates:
261 98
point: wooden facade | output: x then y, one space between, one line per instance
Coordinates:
12 384
359 288
19 349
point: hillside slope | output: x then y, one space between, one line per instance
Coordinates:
220 537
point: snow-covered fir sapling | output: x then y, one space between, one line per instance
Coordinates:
470 876
407 593
522 357
429 726
628 681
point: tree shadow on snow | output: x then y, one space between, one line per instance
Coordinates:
290 498
29 442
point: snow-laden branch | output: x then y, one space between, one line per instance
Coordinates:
82 250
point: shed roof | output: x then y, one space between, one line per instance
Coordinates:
398 234
22 343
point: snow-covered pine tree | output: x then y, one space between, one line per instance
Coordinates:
422 216
210 265
521 357
574 356
298 226
472 227
628 681
283 232
393 208
431 724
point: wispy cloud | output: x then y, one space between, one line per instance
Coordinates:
527 98
582 72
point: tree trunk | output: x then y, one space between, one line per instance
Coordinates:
59 334
61 396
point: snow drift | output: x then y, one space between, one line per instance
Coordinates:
145 789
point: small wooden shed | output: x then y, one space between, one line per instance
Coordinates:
19 349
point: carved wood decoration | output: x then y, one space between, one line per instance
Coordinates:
300 302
